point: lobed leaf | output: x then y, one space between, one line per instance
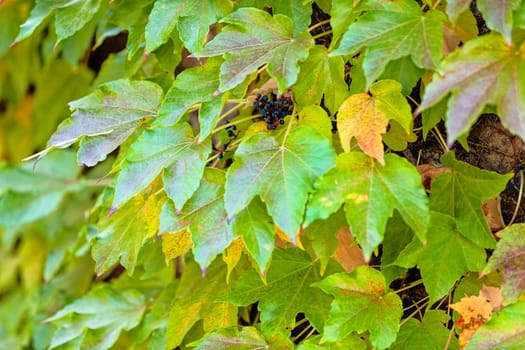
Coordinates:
254 38
370 193
281 174
499 15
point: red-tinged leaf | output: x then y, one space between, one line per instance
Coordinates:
484 71
431 332
282 174
366 117
499 15
175 152
122 234
510 256
468 186
204 216
370 193
286 293
231 339
105 118
505 330
390 30
456 7
362 303
254 38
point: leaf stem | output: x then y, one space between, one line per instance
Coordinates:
518 203
439 137
320 35
411 285
318 24
235 122
289 126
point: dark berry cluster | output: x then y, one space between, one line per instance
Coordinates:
273 109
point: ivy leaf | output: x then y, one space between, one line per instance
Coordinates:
257 231
499 15
281 174
391 30
204 216
468 186
431 332
172 150
505 330
365 117
254 38
105 118
193 298
370 193
122 234
27 195
510 256
362 303
486 70
97 319
309 89
230 338
286 294
445 244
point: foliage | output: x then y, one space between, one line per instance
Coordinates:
199 191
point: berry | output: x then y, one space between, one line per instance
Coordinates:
230 133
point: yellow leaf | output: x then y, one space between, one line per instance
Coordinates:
283 241
232 255
175 244
474 311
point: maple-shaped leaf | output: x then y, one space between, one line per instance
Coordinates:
362 303
231 338
204 216
97 319
281 173
255 227
309 89
499 15
192 19
28 194
468 186
510 256
287 292
365 117
194 298
505 330
370 193
390 30
105 118
484 71
172 150
254 38
431 331
122 234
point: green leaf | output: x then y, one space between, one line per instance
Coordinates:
342 15
468 186
499 15
405 72
193 85
254 38
172 150
195 295
447 257
162 21
204 216
310 89
122 234
286 293
300 11
391 30
281 174
257 231
27 195
456 7
105 118
72 18
509 256
397 236
353 342
230 338
370 193
431 332
362 303
505 330
484 71
98 318
316 117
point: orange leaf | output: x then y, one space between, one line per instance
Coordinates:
348 253
474 311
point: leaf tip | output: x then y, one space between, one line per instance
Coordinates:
203 272
111 211
217 92
13 44
178 210
145 56
230 219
